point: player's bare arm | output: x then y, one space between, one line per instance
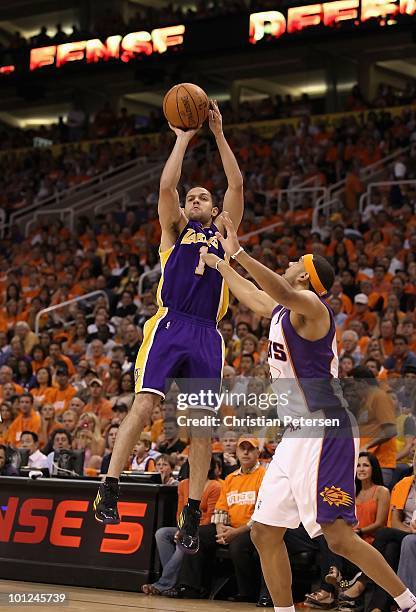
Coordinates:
246 292
305 306
171 216
234 197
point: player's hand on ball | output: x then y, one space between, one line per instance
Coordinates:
229 244
209 259
186 134
215 118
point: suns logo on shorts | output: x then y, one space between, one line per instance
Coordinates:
336 496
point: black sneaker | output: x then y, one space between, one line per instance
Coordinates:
188 525
105 504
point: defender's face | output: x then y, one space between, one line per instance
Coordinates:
294 270
198 205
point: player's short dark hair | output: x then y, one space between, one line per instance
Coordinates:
324 270
34 435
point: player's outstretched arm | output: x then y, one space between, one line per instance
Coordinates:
304 303
234 197
246 292
168 207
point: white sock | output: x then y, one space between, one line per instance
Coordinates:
406 601
289 609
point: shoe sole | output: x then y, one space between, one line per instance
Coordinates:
106 522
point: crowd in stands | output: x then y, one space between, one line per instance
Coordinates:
321 152
66 377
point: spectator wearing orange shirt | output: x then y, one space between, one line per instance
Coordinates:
44 390
361 312
381 280
6 419
337 291
375 249
63 392
98 405
98 360
338 237
377 422
27 420
387 332
56 355
6 376
38 355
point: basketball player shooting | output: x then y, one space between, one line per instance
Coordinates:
311 477
182 340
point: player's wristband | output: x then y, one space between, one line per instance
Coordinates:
217 263
240 250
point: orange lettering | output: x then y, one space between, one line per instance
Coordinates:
134 44
44 56
133 531
377 8
340 11
258 28
61 521
301 17
167 37
96 50
38 523
407 7
70 52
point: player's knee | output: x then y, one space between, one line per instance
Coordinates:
264 536
143 405
338 544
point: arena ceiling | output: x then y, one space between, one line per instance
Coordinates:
285 69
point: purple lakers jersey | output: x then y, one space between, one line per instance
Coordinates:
187 285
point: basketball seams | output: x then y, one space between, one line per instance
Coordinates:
196 108
177 107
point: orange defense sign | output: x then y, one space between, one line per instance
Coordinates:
275 23
115 47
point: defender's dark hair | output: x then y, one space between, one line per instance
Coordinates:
325 272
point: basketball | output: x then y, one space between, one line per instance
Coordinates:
186 106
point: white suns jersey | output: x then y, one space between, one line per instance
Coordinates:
303 372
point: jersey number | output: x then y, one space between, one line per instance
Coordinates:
277 351
200 269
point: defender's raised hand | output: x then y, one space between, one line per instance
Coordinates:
229 244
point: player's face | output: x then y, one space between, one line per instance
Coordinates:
198 205
295 269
